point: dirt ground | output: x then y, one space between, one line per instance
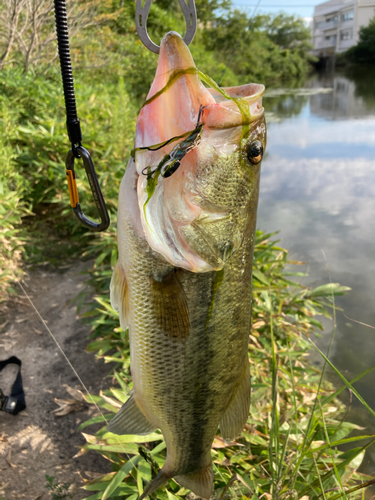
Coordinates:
36 442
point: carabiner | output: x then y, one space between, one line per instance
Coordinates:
141 15
95 189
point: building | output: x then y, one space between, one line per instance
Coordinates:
336 24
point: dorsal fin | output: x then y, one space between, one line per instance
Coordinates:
172 312
120 296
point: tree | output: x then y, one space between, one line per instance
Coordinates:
27 31
262 47
364 51
288 32
205 8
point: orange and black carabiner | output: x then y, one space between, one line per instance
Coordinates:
74 130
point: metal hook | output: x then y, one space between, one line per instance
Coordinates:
141 15
81 152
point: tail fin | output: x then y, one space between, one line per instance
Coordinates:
160 479
199 482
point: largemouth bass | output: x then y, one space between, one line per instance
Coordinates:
182 284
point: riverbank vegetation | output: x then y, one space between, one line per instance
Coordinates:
364 52
289 447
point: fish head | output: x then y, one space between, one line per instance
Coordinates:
198 156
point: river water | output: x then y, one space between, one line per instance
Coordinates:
318 190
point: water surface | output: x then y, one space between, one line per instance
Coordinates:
318 189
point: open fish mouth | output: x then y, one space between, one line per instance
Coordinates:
183 131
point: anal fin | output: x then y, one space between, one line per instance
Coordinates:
237 411
120 295
130 420
199 482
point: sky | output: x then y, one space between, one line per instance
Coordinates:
303 8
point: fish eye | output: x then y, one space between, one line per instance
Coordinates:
254 152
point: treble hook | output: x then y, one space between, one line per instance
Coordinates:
141 15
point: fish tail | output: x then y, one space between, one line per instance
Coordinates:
199 482
161 478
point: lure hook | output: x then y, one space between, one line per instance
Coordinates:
141 15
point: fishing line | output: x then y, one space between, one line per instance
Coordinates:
238 44
66 357
359 322
69 363
61 350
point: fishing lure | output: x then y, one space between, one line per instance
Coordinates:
170 163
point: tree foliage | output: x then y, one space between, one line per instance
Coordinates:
103 38
364 51
260 48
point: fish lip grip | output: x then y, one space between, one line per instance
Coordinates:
141 15
81 152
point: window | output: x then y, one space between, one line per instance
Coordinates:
333 18
347 16
346 35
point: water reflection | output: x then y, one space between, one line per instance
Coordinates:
285 106
318 189
352 95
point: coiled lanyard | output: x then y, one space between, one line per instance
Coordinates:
74 130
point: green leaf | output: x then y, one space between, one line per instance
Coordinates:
348 384
119 448
95 420
260 277
132 438
254 439
171 496
328 290
120 476
328 399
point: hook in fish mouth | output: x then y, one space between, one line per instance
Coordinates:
170 163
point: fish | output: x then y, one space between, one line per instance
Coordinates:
182 284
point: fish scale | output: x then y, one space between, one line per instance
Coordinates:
183 283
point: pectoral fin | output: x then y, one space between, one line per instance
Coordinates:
172 312
120 296
130 420
237 411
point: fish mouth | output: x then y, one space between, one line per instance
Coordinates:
177 94
227 113
172 216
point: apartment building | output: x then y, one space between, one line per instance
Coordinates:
336 24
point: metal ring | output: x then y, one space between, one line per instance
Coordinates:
141 15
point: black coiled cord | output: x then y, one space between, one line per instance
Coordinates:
72 121
74 130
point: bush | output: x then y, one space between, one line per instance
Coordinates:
12 209
364 51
